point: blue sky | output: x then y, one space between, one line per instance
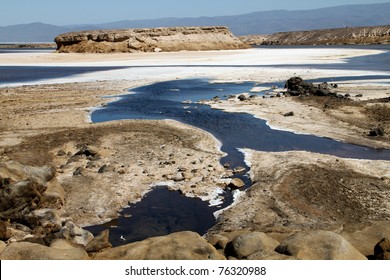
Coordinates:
67 12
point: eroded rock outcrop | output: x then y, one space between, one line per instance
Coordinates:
31 220
149 40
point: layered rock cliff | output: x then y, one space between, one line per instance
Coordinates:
149 40
337 36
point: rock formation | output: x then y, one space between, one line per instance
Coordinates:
319 245
176 246
336 36
296 86
149 40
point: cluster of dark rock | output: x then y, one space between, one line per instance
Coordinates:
296 86
377 131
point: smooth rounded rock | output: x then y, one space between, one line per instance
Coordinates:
319 245
177 246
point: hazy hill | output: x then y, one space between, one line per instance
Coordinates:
266 22
33 32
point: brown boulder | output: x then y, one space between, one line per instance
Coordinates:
48 219
269 256
382 250
218 241
319 245
54 196
32 251
72 232
100 242
177 246
365 236
248 244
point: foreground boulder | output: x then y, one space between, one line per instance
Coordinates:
149 40
319 245
244 245
365 236
177 246
32 251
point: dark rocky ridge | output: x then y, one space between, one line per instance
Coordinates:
149 40
336 36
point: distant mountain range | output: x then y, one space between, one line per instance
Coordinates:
266 22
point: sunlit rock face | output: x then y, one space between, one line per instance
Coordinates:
149 40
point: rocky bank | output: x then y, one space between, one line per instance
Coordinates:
335 36
149 40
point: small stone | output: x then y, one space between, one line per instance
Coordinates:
78 171
236 183
106 168
239 169
289 114
87 151
61 153
242 97
121 171
377 131
178 177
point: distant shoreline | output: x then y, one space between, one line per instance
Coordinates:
27 45
369 35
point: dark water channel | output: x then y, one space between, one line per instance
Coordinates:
162 211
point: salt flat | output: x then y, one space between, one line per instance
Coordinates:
223 65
